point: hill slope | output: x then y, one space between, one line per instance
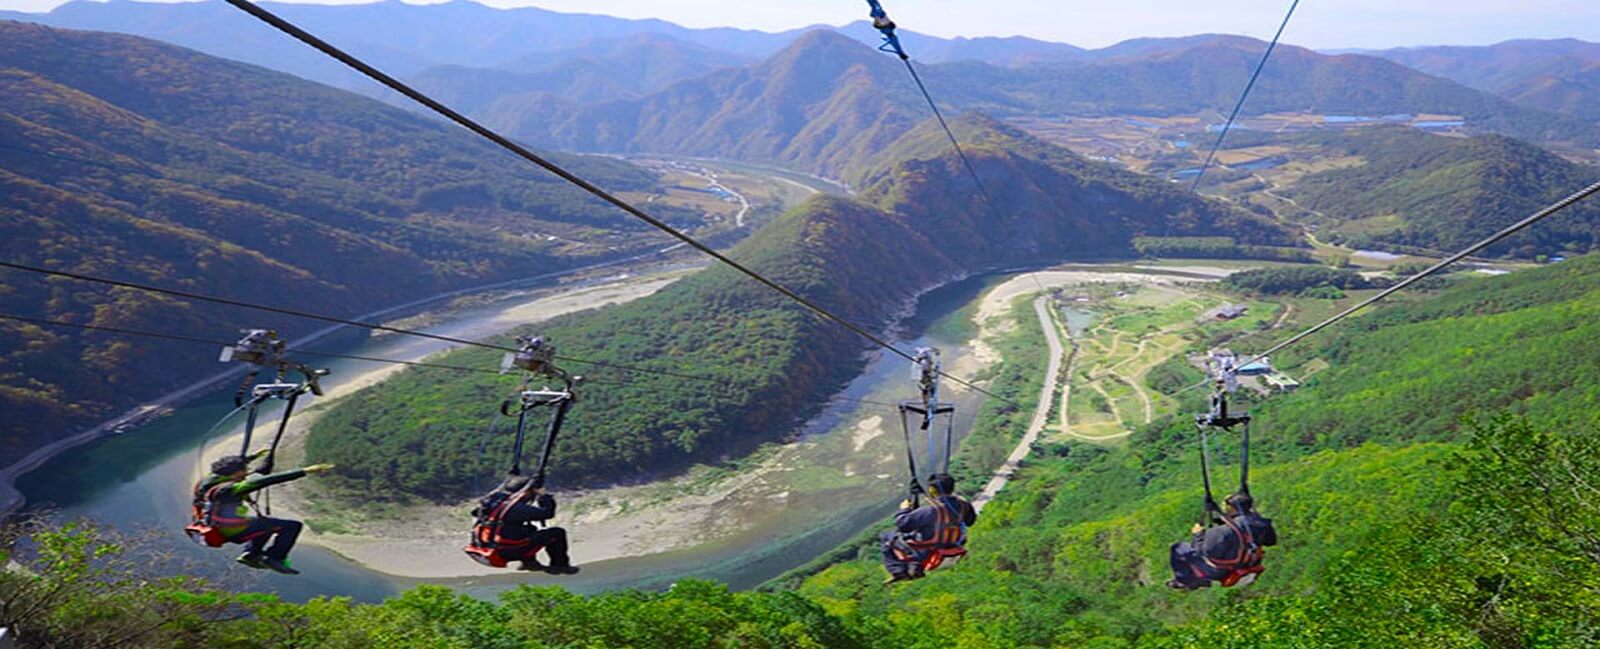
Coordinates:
1378 508
863 260
1414 189
141 161
1561 76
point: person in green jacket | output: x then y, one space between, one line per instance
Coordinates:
227 495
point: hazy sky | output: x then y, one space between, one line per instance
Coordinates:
1096 23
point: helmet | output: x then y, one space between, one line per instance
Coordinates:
942 483
513 483
230 464
1239 503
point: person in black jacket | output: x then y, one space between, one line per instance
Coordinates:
1229 554
520 533
939 525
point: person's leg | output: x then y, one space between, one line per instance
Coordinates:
554 540
1182 559
898 569
254 538
285 533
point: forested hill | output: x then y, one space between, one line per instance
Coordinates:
420 434
1380 500
137 160
1559 75
818 105
1414 189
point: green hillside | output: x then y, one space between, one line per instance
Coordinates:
127 158
1430 533
420 433
1414 189
1366 460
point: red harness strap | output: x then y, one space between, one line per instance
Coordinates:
487 541
1245 562
949 539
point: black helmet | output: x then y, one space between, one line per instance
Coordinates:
1240 503
513 483
942 483
230 464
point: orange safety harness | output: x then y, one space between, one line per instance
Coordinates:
1246 563
949 540
488 544
206 522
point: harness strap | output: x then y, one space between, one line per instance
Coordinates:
1247 546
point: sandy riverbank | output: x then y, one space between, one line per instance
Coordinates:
419 549
703 508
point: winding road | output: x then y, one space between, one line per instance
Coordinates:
1041 414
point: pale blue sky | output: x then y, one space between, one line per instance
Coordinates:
1319 23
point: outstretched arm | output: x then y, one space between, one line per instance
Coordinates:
257 483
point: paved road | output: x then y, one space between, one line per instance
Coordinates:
1040 414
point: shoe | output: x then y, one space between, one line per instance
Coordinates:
562 570
1177 585
532 565
281 566
894 578
253 560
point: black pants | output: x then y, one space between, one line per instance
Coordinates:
1188 567
554 542
281 531
891 562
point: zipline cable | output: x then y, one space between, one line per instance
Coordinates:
1492 239
891 44
1489 241
1237 106
304 352
523 152
374 359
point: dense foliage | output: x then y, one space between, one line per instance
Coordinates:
1423 191
1371 506
1297 279
126 158
1214 248
421 431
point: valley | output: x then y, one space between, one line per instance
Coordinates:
733 452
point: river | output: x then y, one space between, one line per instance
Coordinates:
830 484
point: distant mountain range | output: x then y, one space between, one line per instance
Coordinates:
407 39
1560 76
129 158
588 81
826 99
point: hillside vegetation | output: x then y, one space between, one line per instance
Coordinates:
1380 500
420 434
131 159
1383 530
1414 189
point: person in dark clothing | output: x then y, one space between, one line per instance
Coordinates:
937 527
225 501
520 535
1229 554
